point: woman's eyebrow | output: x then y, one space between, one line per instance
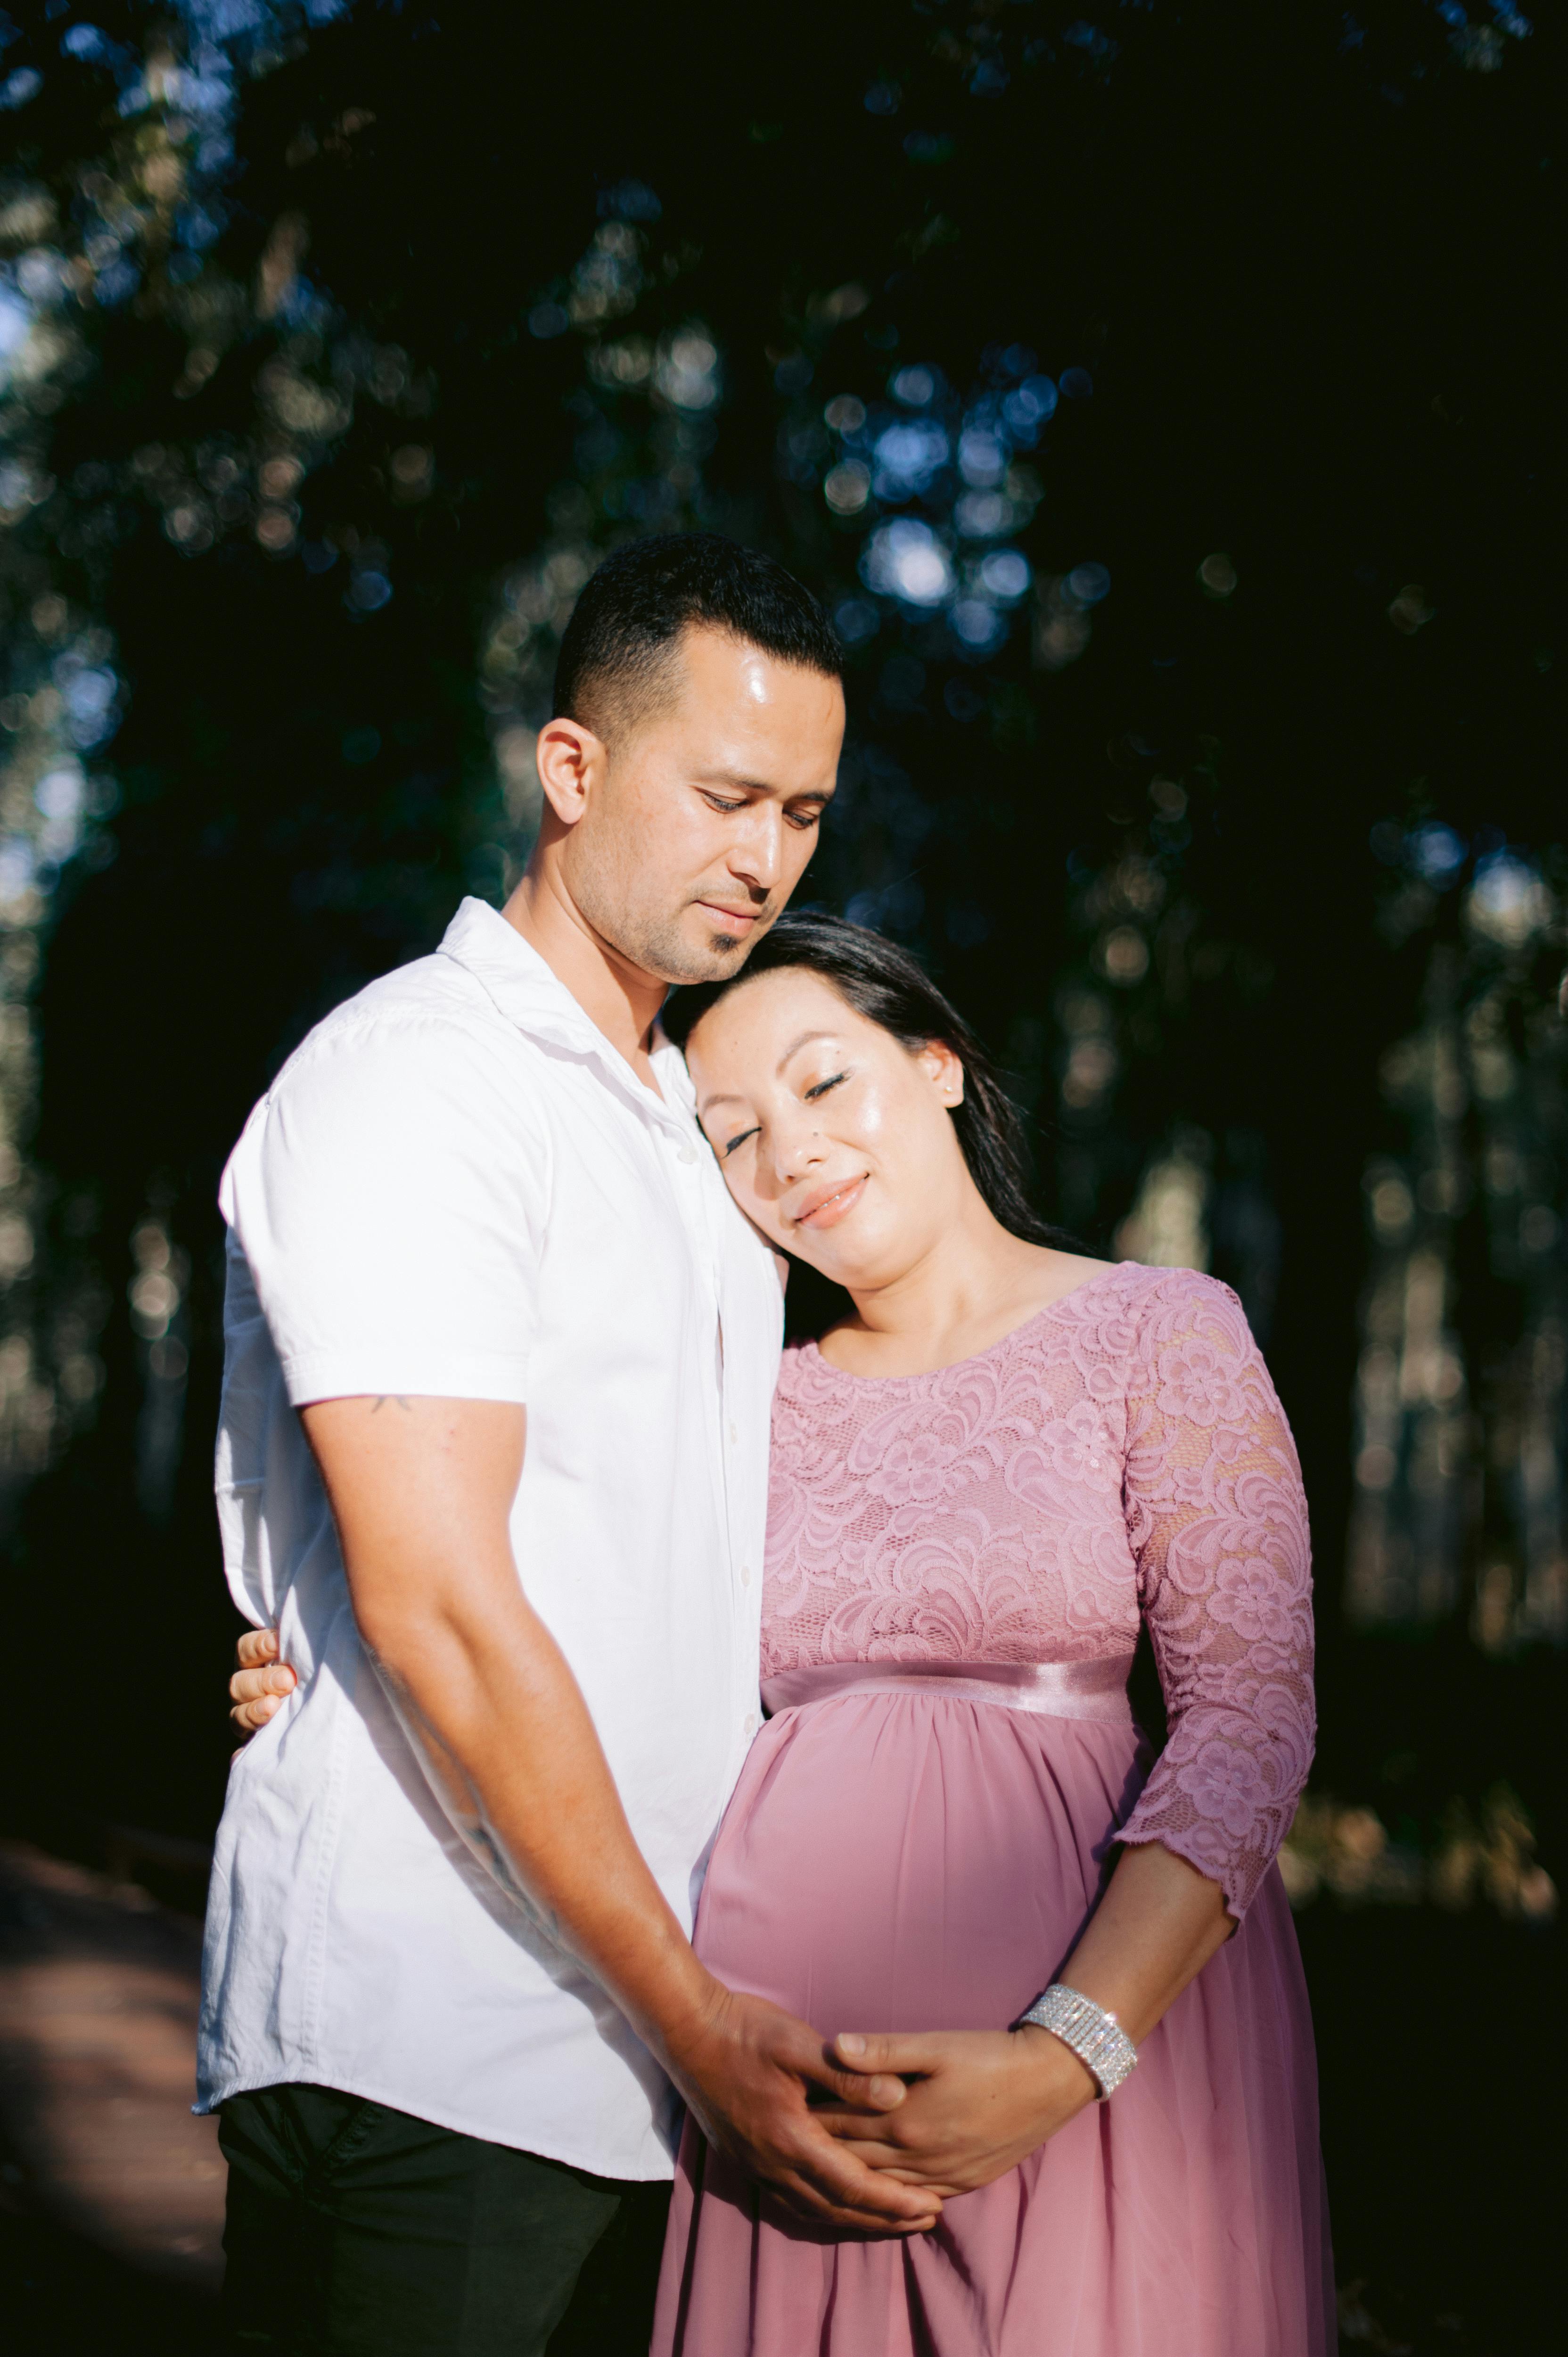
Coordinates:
722 1096
795 1047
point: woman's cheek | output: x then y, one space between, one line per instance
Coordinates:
869 1118
762 1214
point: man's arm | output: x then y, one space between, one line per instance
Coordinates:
421 1490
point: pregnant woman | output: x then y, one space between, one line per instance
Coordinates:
950 1848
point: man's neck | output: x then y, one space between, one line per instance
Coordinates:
619 998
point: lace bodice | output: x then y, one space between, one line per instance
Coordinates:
1122 1453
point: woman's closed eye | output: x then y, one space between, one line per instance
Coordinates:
726 1146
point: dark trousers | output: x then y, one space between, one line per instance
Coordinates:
355 2229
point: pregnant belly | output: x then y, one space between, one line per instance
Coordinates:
913 1861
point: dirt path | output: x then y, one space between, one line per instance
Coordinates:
98 1998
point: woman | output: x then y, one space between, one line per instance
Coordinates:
1000 1458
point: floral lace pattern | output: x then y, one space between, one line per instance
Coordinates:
1122 1454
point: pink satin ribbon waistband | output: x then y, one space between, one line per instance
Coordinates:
1050 1689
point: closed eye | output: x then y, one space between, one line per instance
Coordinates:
731 1143
727 804
821 1087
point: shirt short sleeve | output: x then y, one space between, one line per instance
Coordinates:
390 1194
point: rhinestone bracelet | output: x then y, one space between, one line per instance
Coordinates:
1096 2037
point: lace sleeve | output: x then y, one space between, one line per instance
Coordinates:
1217 1522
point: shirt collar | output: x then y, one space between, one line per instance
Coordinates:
515 977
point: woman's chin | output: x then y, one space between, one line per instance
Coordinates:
847 1252
818 1254
857 1272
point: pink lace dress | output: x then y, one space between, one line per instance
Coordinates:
956 1564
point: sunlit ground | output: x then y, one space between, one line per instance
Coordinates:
112 2193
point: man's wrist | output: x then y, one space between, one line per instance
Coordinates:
681 2018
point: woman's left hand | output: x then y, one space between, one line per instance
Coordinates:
979 2101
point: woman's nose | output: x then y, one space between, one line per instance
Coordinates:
797 1146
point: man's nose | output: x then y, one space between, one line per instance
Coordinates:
756 855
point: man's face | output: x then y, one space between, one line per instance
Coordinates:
698 827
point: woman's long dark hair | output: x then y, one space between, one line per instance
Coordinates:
888 986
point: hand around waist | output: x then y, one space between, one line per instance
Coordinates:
979 2102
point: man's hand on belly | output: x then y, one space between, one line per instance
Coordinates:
745 2067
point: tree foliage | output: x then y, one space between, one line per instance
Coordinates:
1160 402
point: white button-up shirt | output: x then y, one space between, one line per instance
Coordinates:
456 1186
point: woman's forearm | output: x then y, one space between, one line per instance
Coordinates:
1157 1927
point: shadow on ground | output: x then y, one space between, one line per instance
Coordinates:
63 2297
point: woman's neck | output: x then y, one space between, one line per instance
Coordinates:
972 1287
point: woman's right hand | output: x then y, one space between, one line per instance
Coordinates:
260 1684
979 2102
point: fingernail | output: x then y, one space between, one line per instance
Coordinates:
851 2043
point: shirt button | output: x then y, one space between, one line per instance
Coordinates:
745 1575
687 1151
734 1438
751 1723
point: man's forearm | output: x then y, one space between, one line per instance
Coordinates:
508 1745
421 1492
460 1801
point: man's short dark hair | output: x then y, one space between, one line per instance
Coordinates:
617 661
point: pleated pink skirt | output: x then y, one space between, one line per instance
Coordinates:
922 1860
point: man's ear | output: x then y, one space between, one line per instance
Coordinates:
569 760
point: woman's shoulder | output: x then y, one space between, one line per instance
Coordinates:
1130 1309
1154 1289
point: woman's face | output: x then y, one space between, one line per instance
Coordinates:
835 1138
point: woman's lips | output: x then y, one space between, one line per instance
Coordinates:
827 1205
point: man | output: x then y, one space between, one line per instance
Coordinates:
492 1456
